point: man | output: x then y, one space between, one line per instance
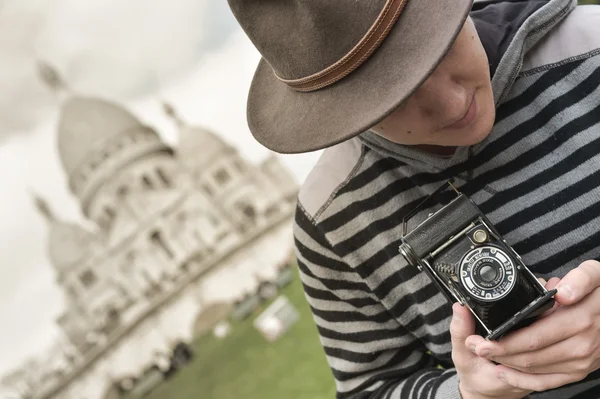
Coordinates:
408 94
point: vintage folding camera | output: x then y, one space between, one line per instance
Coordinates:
471 263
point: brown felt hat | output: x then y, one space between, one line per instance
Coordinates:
331 69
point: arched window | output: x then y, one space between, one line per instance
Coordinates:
110 212
122 192
207 189
109 218
87 278
163 177
113 314
247 210
147 182
222 176
157 239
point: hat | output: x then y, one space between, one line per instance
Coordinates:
331 69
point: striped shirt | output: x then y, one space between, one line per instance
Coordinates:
384 326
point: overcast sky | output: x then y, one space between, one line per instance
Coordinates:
138 52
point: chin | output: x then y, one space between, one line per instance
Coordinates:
478 137
481 129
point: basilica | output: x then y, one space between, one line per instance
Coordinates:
168 231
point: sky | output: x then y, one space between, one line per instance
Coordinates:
140 52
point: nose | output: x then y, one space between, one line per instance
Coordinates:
443 97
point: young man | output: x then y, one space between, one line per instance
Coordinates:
503 97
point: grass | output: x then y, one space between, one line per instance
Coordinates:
244 365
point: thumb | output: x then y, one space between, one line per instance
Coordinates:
461 327
578 283
550 285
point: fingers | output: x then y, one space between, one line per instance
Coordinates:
544 332
476 374
578 283
551 284
473 342
462 326
565 355
542 280
535 382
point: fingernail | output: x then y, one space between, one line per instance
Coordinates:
472 348
485 353
502 377
456 315
565 291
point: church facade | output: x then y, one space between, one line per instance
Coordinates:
168 232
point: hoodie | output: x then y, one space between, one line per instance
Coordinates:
384 325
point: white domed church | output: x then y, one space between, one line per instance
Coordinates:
168 232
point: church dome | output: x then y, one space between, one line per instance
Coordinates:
85 125
68 244
197 145
195 140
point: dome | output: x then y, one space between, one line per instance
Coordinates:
68 244
85 124
195 140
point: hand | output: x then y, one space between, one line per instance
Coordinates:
477 375
560 348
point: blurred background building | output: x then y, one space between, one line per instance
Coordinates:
168 232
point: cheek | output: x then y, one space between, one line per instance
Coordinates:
490 110
480 64
403 133
401 127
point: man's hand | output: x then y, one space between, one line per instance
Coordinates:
560 348
477 376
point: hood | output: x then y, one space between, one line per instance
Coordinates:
497 23
507 29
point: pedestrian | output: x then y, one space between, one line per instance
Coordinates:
501 96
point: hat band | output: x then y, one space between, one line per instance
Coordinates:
357 56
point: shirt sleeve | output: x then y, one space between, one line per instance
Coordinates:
370 354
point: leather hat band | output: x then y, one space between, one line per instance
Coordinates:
357 56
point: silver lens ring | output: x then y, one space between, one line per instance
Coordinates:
487 273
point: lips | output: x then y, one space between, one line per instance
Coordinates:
468 118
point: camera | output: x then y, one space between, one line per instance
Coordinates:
470 262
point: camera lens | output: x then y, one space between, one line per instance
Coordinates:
488 273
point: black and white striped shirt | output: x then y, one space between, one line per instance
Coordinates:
383 325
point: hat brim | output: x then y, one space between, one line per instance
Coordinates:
288 121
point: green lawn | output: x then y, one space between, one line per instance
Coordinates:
244 365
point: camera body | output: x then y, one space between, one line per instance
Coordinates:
471 263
